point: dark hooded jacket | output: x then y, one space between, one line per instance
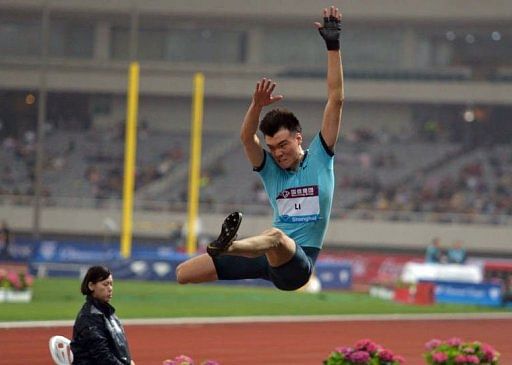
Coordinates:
98 336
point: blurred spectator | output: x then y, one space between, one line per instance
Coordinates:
144 129
456 254
178 237
5 241
434 253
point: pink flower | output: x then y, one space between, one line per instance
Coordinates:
472 359
359 357
488 356
184 360
488 352
456 352
454 341
385 355
432 344
345 350
179 360
14 279
367 345
439 357
460 359
487 347
364 352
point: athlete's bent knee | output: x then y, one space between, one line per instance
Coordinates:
181 276
275 232
278 235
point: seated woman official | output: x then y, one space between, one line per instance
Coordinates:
98 336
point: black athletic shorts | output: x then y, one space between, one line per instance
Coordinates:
289 276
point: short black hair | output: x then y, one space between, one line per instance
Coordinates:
277 119
94 274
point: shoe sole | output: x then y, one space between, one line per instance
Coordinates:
227 234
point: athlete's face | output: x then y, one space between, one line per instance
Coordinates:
286 148
102 290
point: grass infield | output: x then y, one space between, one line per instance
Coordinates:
60 299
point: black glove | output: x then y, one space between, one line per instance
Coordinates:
330 32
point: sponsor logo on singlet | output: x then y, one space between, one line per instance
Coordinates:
299 204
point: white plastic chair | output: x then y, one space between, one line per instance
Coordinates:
60 350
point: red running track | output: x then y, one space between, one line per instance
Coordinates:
298 343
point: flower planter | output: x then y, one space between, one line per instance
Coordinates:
455 351
15 287
364 351
15 296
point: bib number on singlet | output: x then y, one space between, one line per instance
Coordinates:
300 204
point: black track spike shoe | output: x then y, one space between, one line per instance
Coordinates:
227 235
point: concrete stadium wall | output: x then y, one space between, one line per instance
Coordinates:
342 233
80 78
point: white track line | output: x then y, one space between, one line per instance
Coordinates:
276 319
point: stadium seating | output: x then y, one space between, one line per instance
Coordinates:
407 177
